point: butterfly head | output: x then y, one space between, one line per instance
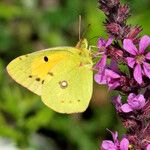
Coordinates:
84 52
82 44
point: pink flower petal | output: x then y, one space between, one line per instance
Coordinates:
148 147
130 47
101 64
131 96
110 40
135 104
146 67
111 74
117 103
130 61
101 42
126 108
141 100
113 85
100 79
138 74
124 144
147 56
115 137
144 43
117 100
108 145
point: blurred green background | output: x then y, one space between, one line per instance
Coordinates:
31 25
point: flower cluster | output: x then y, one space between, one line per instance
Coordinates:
124 47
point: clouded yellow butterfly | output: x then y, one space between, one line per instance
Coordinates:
62 76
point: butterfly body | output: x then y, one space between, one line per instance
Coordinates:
62 76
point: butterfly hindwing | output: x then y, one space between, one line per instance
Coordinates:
69 90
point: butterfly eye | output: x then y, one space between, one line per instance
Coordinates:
46 59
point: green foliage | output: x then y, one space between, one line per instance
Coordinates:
27 26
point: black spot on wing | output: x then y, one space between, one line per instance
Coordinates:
50 73
45 58
30 76
42 81
38 79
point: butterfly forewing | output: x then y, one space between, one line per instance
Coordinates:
30 70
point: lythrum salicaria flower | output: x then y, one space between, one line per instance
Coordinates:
117 102
100 76
113 79
135 102
148 147
102 46
108 74
139 58
131 80
100 66
115 144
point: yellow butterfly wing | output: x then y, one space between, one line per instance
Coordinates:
62 76
30 70
70 88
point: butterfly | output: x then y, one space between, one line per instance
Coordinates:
62 76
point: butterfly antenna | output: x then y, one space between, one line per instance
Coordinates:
80 21
84 30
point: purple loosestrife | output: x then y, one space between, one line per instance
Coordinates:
113 79
109 74
102 46
139 58
133 83
115 144
148 147
135 102
100 76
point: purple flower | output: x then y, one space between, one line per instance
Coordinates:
102 44
115 144
100 76
124 144
108 76
138 60
108 145
148 147
117 102
100 66
113 79
135 102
